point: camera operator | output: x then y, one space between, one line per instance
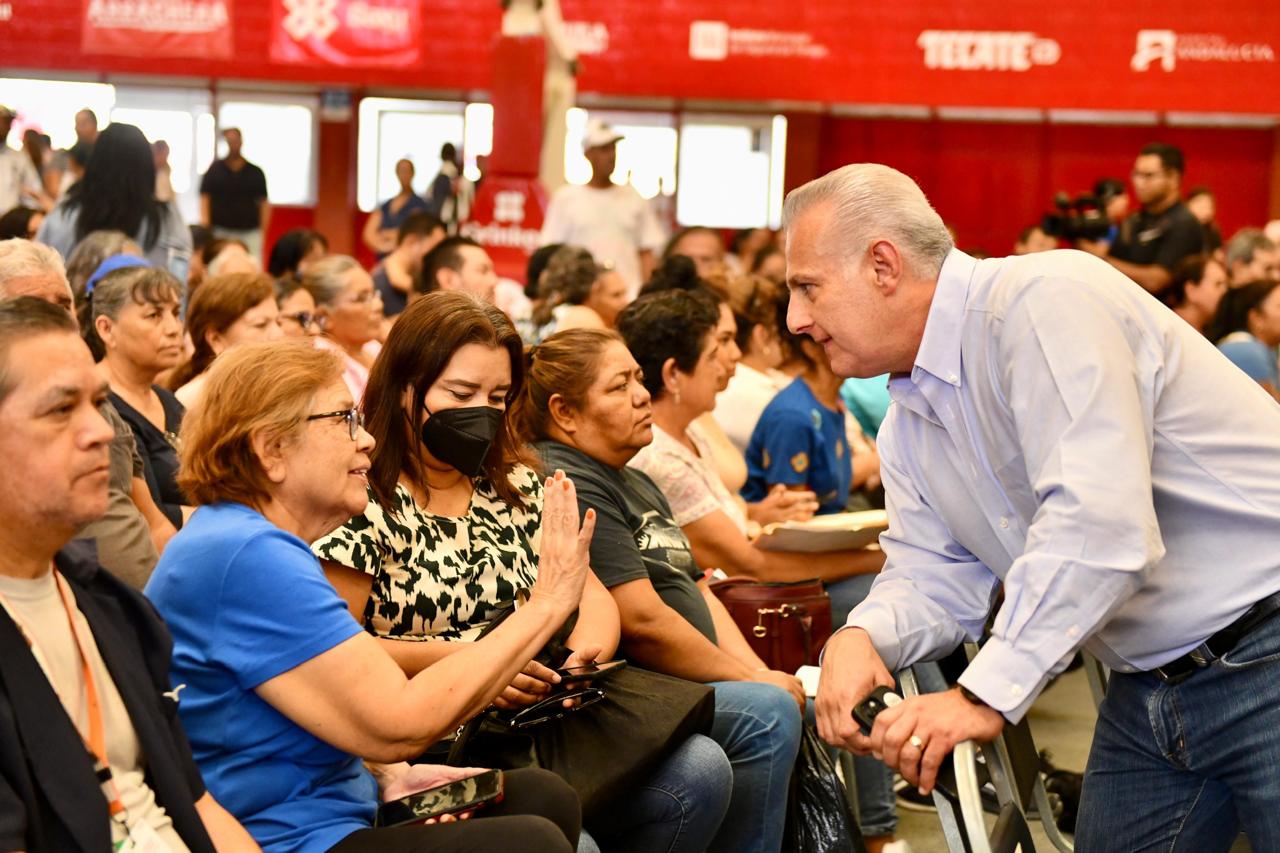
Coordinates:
1057 432
1152 241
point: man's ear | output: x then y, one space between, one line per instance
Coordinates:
269 447
886 261
564 416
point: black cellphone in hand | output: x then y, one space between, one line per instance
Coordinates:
452 798
591 671
865 712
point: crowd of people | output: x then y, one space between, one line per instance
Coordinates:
290 500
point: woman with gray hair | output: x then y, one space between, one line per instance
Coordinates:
349 313
136 335
84 261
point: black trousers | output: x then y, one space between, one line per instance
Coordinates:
539 813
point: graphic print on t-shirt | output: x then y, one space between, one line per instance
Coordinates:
663 545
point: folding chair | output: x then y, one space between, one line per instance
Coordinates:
1013 765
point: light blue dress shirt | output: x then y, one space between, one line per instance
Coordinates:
1063 432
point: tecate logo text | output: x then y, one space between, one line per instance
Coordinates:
964 50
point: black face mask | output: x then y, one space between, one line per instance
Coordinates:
462 437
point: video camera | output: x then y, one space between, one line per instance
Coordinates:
1081 218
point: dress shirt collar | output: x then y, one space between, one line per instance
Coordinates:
939 354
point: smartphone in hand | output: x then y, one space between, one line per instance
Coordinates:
452 798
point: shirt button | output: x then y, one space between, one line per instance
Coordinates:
952 378
1004 523
1016 690
1073 631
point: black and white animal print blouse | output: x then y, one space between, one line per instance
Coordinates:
442 577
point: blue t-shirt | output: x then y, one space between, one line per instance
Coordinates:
1252 356
868 401
246 602
799 441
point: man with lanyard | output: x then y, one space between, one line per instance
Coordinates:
1057 430
92 756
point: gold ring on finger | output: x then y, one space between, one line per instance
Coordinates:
915 741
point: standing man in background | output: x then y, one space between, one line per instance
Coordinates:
233 197
609 220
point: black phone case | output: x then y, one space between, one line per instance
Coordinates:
865 712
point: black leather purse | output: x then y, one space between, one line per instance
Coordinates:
603 749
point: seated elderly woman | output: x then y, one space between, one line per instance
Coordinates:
136 334
586 405
286 698
227 310
672 336
449 538
349 313
677 273
757 379
297 309
574 292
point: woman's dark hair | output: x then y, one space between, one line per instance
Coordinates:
291 248
139 285
754 300
792 344
567 280
1190 271
670 249
118 190
16 223
1233 310
566 363
425 336
670 324
677 272
537 263
763 255
217 303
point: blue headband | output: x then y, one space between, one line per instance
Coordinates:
110 265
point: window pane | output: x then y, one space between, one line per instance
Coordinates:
177 128
278 138
724 175
392 129
50 106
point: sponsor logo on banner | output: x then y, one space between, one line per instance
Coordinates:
347 33
589 38
506 218
1167 48
968 50
186 28
716 41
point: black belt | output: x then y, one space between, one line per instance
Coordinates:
1180 669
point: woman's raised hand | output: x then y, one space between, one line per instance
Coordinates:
565 557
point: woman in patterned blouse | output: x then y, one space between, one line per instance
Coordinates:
440 550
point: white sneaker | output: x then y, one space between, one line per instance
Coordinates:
898 846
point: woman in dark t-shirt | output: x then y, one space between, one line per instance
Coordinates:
137 335
585 404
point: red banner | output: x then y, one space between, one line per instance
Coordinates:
195 29
506 218
347 33
1151 55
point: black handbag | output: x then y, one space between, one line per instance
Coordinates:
603 750
819 819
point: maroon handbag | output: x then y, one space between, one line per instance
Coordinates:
787 624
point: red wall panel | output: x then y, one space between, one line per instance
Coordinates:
990 180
